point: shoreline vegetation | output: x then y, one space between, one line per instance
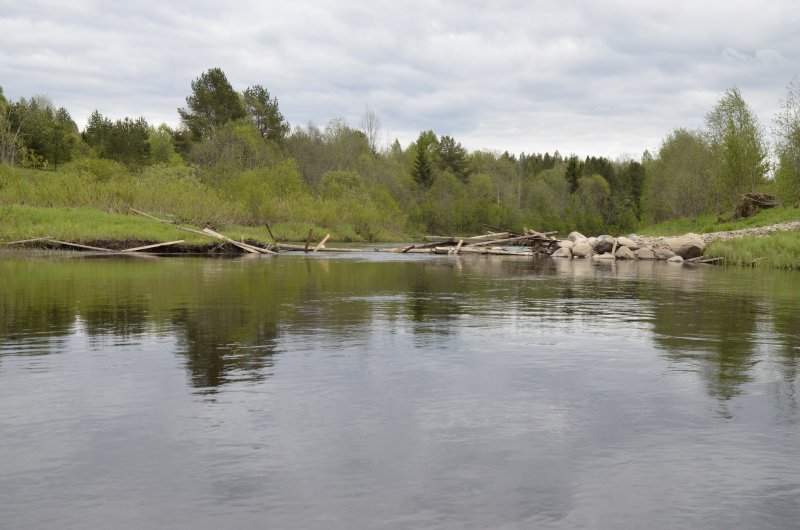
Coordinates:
236 166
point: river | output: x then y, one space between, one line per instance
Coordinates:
396 392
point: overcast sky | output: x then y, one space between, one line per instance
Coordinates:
598 77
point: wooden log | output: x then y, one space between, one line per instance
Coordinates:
156 245
179 227
322 243
244 246
440 240
23 241
458 247
77 245
277 246
509 240
498 229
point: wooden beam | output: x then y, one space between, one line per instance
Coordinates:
77 245
156 245
23 241
322 243
458 247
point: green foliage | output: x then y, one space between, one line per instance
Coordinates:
422 173
452 157
237 147
680 180
162 145
738 147
126 141
211 105
262 110
787 131
48 134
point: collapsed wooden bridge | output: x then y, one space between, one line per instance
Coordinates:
493 243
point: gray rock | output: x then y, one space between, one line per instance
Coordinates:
576 236
591 241
566 243
625 242
625 253
687 246
603 244
645 253
582 249
562 252
675 259
663 253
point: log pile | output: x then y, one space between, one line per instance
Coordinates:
492 243
752 203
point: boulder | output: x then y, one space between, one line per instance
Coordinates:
625 242
625 253
591 240
604 257
582 249
663 253
675 259
603 244
566 243
576 236
645 253
562 252
687 246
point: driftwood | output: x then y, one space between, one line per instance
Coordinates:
467 240
252 249
156 245
458 247
322 243
77 245
34 240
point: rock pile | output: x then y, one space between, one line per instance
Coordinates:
605 247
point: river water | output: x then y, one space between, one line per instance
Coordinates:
396 392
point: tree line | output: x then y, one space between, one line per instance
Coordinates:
240 145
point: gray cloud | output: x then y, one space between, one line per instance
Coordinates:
588 77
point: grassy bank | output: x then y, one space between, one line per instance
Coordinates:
91 200
708 223
19 222
780 250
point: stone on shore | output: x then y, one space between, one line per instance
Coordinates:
603 257
562 252
582 249
645 253
663 253
675 259
625 242
625 253
687 246
566 243
603 244
576 236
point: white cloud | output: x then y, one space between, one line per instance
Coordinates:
590 77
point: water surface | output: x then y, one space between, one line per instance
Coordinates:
393 392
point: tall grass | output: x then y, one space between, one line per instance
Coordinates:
779 250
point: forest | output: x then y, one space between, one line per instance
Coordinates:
235 160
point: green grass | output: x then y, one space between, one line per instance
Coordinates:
780 250
708 223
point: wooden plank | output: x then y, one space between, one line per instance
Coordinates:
458 247
77 245
443 240
23 241
244 246
508 240
322 243
156 245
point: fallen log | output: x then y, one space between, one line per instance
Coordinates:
156 245
467 240
322 243
244 246
23 241
512 240
78 245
